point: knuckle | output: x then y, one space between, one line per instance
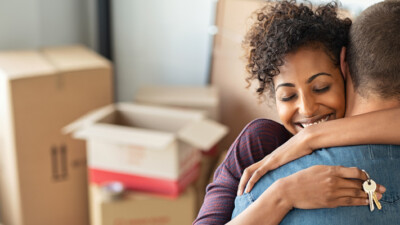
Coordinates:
330 180
247 171
337 169
258 173
332 170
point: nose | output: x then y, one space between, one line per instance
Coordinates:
307 106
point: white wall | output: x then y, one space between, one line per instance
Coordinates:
161 42
36 23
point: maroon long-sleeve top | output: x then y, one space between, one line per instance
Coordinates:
259 138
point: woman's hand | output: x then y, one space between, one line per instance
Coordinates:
326 187
294 148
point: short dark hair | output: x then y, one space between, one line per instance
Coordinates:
373 53
282 27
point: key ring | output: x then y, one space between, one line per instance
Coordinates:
368 177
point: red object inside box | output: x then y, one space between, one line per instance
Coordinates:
166 187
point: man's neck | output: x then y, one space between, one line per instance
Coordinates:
360 105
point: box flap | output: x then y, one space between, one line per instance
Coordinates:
21 64
67 58
88 119
126 135
186 96
203 134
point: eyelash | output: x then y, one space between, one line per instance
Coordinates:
321 90
286 99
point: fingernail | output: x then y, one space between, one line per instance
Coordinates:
238 193
382 189
379 195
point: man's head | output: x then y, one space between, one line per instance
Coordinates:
373 54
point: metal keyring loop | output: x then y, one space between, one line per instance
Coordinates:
368 177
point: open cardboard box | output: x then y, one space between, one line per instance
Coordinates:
149 148
187 97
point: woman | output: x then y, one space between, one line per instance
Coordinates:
290 44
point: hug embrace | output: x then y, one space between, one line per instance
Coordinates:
336 86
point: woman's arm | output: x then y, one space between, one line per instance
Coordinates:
318 186
379 127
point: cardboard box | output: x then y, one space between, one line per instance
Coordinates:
207 164
144 209
239 105
44 173
188 97
158 145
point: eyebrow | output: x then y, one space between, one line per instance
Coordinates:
317 75
309 80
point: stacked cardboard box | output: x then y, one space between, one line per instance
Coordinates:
147 148
143 209
44 175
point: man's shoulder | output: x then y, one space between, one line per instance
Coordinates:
369 151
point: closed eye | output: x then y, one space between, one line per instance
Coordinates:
322 90
286 99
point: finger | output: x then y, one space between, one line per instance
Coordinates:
348 183
380 188
356 186
354 172
243 181
255 177
350 172
350 192
378 195
349 201
247 173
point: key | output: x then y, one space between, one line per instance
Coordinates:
369 187
377 203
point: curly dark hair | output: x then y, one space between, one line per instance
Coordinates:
282 27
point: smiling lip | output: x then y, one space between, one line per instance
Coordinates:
314 121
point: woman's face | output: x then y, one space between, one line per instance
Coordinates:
309 89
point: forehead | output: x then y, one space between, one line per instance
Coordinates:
304 63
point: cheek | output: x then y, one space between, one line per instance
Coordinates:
337 101
286 112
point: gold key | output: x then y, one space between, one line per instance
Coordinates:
377 203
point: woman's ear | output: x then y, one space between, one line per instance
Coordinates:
344 67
